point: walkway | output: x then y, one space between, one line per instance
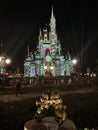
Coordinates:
8 97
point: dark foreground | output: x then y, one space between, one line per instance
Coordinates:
81 105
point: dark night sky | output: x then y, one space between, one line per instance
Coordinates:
77 27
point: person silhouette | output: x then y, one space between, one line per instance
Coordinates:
18 87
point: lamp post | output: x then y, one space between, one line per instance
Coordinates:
74 61
3 62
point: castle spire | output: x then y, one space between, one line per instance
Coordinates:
28 52
69 56
52 14
40 34
52 26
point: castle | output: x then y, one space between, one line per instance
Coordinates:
47 59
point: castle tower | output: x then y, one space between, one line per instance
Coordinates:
52 22
53 36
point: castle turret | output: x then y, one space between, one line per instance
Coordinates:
28 52
40 35
45 35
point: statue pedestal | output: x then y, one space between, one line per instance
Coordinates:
50 123
47 123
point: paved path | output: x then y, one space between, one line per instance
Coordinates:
12 97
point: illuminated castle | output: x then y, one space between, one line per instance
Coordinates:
47 60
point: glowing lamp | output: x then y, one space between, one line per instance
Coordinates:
45 67
74 61
8 61
51 67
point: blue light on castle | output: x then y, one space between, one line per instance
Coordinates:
47 60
